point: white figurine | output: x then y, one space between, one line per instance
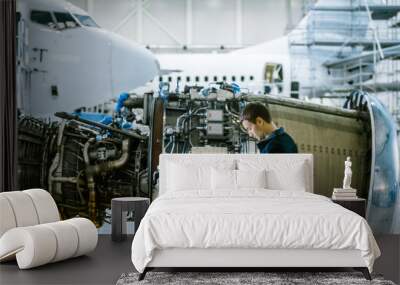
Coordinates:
347 174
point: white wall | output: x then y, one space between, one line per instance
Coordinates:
207 24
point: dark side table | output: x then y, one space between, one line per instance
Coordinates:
357 205
119 209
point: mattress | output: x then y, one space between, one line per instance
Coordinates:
250 219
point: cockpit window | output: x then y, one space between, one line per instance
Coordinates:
43 18
86 20
65 20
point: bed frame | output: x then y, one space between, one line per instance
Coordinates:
240 259
249 259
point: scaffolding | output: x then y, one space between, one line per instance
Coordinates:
344 45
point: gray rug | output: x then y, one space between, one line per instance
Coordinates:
229 278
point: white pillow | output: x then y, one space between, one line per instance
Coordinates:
251 178
292 178
183 177
283 172
193 174
223 179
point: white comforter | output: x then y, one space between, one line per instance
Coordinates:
256 218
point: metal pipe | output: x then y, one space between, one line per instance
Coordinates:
178 121
67 116
90 182
65 179
230 112
92 170
111 165
86 151
57 158
199 109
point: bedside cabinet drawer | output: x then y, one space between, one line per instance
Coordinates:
357 205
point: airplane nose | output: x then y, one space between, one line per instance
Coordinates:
132 65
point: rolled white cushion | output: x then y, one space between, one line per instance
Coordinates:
7 218
45 206
40 244
33 246
36 244
66 238
23 208
87 235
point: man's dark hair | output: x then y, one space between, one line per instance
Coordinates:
254 110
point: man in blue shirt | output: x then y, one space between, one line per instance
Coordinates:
256 119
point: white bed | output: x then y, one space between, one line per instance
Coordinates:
266 217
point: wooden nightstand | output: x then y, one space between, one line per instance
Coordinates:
357 205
